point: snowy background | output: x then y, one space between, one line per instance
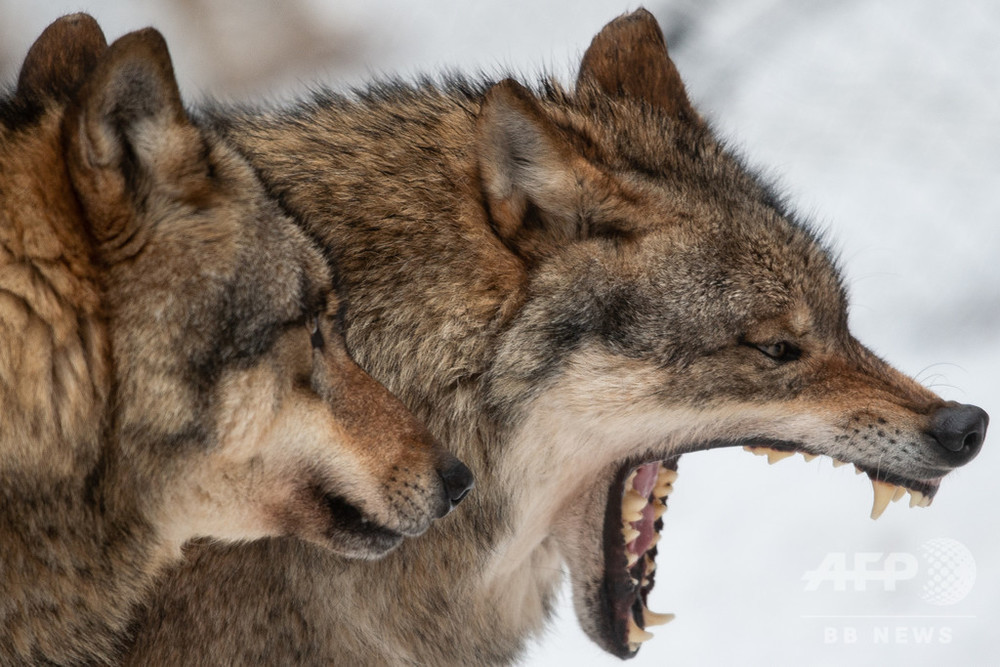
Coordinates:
882 121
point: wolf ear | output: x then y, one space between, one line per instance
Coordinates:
60 58
128 136
628 58
531 176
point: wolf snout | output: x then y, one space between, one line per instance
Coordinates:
960 429
457 480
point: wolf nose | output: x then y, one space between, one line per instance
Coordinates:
960 429
458 481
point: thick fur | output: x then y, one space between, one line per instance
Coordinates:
562 284
171 361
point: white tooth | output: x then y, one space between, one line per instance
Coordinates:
837 463
900 492
631 558
926 502
631 478
652 619
774 456
666 475
632 505
808 457
650 565
663 489
659 507
915 498
629 533
637 635
635 582
883 494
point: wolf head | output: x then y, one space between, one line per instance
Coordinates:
676 305
170 332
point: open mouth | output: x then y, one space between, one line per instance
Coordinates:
632 525
633 520
349 527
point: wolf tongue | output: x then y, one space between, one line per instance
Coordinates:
645 478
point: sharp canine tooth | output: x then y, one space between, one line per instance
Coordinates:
900 492
651 618
774 456
808 457
631 558
883 494
637 635
915 498
629 533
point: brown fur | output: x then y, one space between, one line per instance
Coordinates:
564 284
160 379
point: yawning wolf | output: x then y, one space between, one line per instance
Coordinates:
171 361
572 288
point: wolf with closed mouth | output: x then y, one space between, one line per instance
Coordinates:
572 288
160 378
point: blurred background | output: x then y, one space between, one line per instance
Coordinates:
881 120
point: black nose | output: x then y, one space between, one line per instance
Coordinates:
458 481
960 429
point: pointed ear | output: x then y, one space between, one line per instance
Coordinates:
531 176
127 135
60 58
628 58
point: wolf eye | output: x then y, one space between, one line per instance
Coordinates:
315 335
780 351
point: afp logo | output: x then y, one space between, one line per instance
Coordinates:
944 569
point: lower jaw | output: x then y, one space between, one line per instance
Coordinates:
352 534
630 559
630 571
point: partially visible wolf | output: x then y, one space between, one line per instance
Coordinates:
572 288
171 358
